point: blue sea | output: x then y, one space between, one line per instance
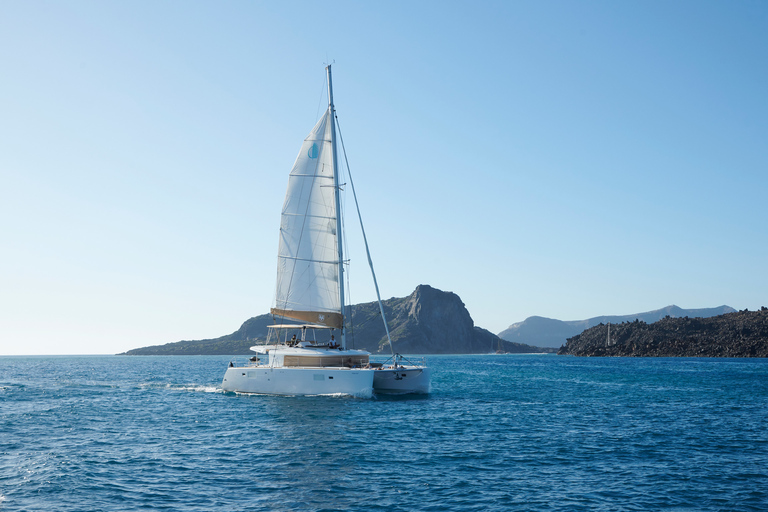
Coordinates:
498 432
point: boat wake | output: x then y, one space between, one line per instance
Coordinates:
190 388
197 389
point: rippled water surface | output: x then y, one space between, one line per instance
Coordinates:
499 432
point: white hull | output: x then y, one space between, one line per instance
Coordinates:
299 381
403 380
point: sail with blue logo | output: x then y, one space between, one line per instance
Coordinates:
308 260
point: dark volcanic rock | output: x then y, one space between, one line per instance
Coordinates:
739 334
549 332
428 321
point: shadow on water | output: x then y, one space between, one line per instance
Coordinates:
404 397
378 397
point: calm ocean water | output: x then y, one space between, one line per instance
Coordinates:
499 432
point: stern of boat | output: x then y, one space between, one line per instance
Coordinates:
401 380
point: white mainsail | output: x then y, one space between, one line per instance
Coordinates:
308 258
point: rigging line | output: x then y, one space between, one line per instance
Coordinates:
313 175
311 216
320 102
362 229
295 258
286 303
347 273
375 316
347 276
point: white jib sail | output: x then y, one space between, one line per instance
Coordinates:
308 260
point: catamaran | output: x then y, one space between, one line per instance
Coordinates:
301 355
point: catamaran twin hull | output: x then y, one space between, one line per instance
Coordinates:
361 382
401 380
299 381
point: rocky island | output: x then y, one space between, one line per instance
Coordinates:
738 334
428 321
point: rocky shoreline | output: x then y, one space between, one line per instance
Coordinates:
739 334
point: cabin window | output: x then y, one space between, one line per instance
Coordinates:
319 361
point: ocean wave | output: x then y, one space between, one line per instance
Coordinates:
534 434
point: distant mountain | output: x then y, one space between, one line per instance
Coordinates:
739 334
428 321
547 332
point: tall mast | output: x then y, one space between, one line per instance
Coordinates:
336 189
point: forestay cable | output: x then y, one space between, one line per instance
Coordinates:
365 239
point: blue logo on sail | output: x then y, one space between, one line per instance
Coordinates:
313 151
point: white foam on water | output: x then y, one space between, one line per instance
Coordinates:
197 389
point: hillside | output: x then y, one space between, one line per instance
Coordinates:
429 321
739 334
548 332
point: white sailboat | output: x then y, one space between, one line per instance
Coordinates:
305 358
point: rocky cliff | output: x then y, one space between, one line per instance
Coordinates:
428 321
739 334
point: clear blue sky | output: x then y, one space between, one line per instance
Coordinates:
563 159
